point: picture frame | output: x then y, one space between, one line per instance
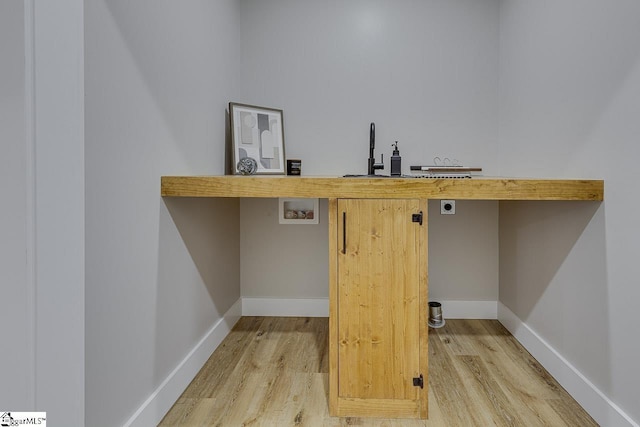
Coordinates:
257 133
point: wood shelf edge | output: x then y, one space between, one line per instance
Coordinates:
481 188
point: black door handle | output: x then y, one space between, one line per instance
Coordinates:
344 232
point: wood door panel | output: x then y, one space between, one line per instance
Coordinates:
379 299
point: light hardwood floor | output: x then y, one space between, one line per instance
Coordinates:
273 371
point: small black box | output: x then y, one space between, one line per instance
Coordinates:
294 167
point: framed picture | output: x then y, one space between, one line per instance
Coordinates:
257 133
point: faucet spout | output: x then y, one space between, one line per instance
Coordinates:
372 166
372 139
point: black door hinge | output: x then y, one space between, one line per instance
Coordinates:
418 381
417 218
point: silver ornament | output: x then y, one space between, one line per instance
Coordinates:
247 166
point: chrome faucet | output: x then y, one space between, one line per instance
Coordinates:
372 165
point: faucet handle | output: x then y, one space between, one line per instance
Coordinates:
379 165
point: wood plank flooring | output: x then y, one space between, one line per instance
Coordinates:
273 371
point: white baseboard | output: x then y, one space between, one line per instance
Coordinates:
469 309
599 406
160 401
295 307
319 307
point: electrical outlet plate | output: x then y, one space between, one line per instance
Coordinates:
447 207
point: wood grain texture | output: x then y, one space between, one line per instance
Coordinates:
333 305
379 283
479 188
274 372
424 308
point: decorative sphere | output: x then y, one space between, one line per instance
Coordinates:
247 166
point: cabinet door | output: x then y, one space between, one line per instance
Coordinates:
381 291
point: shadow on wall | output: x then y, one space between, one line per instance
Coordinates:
210 230
553 277
198 273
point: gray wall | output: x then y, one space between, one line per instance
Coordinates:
570 102
282 260
15 365
159 273
55 126
425 72
42 219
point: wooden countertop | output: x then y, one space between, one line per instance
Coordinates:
477 188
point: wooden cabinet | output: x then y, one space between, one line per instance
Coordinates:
378 308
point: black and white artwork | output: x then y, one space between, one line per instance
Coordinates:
257 133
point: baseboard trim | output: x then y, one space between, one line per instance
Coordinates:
452 309
600 407
160 401
319 307
294 307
